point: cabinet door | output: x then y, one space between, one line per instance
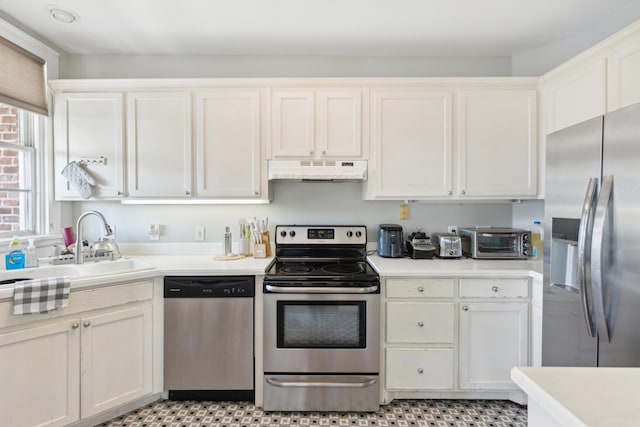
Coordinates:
40 374
159 144
116 358
419 368
339 123
411 144
420 322
623 69
228 143
88 128
293 123
493 339
574 96
497 144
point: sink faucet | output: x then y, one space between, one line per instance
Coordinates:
78 246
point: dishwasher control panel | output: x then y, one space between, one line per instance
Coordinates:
209 286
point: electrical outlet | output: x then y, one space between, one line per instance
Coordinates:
452 229
200 233
154 231
404 211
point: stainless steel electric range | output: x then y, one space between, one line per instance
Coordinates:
321 321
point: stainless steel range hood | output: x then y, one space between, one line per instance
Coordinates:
318 170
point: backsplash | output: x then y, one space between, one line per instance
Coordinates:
296 203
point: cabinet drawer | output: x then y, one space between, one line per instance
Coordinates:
419 368
494 288
420 322
420 288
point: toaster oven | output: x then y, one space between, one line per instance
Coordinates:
495 243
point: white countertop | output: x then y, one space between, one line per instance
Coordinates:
454 267
594 397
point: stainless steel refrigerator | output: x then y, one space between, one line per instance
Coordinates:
591 305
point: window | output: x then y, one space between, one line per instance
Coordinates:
18 145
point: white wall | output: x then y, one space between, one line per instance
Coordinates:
189 66
294 203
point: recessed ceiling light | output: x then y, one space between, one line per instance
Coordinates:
62 15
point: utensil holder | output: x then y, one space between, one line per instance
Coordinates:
245 246
259 250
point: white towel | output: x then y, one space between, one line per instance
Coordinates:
41 295
79 179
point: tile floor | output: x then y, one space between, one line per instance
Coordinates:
439 413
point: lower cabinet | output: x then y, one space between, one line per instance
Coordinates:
448 337
493 339
65 370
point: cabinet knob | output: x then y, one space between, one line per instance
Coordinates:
324 152
420 370
420 289
187 192
421 324
495 288
465 308
311 153
119 193
86 324
449 192
463 192
75 325
256 193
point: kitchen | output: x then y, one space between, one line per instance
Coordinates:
291 201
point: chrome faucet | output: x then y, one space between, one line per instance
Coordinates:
79 259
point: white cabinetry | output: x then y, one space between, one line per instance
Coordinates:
159 144
623 75
492 154
574 94
411 143
229 135
61 367
89 128
454 337
319 123
536 322
494 334
420 334
497 146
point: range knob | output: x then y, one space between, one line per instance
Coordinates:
349 233
358 233
292 234
283 233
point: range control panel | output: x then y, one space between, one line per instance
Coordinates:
314 235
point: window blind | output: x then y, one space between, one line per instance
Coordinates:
22 78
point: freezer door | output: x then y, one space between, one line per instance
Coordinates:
573 162
620 239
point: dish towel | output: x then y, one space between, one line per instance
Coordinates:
41 295
79 179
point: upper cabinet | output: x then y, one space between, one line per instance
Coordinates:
411 143
497 148
229 135
317 123
424 148
623 75
89 129
159 144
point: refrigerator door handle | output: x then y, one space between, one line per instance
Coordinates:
584 252
597 271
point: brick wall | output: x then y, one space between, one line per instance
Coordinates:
9 172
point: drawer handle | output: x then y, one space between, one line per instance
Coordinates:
420 289
420 370
86 324
495 288
421 324
465 308
75 325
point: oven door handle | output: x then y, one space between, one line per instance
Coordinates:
348 382
320 289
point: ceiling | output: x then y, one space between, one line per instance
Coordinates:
310 27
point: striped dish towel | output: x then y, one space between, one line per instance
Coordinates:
41 295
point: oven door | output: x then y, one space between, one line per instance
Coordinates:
321 333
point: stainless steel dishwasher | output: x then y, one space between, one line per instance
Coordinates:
208 337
